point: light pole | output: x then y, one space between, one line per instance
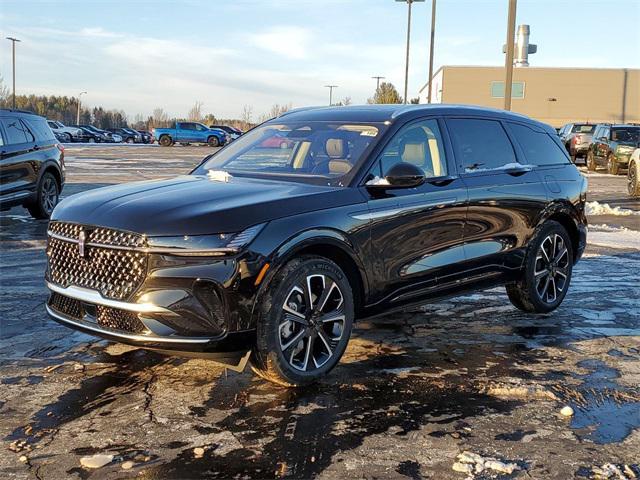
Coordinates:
406 66
378 78
331 87
431 46
78 115
508 61
13 48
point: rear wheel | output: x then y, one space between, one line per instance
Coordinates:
591 162
213 141
47 197
547 273
165 141
633 180
305 322
612 165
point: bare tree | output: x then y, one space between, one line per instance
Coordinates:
159 117
195 113
345 101
275 111
246 116
5 93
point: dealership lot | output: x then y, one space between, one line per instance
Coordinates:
413 391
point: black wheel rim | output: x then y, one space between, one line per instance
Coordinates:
551 271
49 195
631 180
312 323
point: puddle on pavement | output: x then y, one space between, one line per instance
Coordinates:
605 412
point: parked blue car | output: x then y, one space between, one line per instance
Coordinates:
190 132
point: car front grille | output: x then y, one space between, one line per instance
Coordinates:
68 306
117 319
110 264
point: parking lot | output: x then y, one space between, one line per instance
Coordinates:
413 391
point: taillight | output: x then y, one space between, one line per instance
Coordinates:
60 147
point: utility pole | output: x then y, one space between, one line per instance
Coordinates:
13 48
331 87
378 78
431 47
406 65
508 61
78 116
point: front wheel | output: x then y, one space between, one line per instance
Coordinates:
213 142
612 165
633 180
305 322
165 141
47 197
547 272
591 162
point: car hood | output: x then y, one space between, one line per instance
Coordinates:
197 205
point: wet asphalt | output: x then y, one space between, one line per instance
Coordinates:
414 389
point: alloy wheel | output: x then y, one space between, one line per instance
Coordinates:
631 180
312 323
49 195
551 268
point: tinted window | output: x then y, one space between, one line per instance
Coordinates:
40 128
539 148
14 130
626 134
482 144
419 143
583 128
187 126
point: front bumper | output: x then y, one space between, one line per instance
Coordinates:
227 347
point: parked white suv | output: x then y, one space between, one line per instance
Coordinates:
72 133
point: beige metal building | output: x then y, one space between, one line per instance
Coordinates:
551 95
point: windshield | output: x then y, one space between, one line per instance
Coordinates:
583 128
313 152
629 134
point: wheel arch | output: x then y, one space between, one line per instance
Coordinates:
328 244
566 216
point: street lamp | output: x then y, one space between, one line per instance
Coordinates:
331 87
378 78
78 115
406 67
431 46
13 48
508 61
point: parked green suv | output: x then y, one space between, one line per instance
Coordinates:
612 146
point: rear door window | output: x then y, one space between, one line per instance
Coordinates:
480 144
538 147
40 128
14 130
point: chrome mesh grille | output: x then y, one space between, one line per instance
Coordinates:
117 319
69 306
115 273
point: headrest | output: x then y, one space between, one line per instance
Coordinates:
336 148
414 153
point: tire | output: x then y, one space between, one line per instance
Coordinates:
633 180
67 138
591 162
129 140
294 345
165 141
213 141
48 194
612 165
92 140
540 278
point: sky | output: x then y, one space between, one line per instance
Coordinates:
140 55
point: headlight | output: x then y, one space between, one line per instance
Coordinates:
204 245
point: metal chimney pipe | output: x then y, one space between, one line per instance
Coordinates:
523 48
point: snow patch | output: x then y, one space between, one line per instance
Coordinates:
219 176
378 181
596 208
615 237
506 166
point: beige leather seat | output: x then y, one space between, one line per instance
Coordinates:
337 150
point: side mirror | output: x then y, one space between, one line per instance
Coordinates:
403 175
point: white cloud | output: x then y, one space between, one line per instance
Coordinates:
287 41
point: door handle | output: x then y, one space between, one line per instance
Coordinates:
441 181
517 171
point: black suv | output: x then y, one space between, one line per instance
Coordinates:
31 163
612 146
270 253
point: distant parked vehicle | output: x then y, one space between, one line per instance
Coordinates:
91 136
612 146
128 135
231 132
100 136
276 141
633 174
190 132
147 137
576 137
62 137
32 163
73 134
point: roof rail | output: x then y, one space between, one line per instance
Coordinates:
16 110
299 109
